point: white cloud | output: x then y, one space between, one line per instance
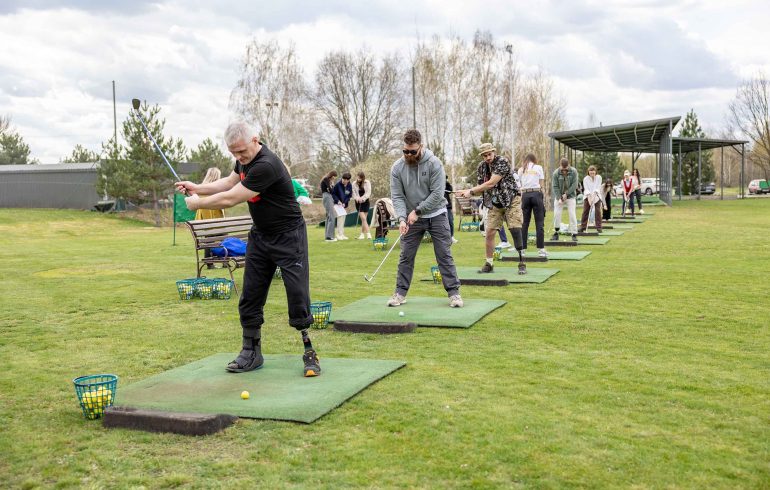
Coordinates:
623 60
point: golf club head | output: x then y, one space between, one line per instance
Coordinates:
135 103
366 278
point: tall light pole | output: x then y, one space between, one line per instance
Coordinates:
509 50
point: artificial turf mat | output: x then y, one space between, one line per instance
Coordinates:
592 240
534 275
612 232
425 312
278 391
576 255
609 225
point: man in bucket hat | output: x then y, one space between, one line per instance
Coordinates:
501 196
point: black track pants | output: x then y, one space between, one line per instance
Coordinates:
289 252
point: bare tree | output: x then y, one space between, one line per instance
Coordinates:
5 124
750 114
432 91
486 77
273 93
362 100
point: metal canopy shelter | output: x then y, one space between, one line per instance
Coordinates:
652 136
691 145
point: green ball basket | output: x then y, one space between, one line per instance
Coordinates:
95 393
321 311
435 273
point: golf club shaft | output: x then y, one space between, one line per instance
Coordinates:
147 130
386 258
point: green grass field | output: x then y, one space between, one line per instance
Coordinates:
645 365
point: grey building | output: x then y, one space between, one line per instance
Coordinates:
59 185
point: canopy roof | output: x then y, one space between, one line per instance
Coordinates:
639 137
690 145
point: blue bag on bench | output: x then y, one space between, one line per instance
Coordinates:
230 247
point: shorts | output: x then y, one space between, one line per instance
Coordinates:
512 215
362 207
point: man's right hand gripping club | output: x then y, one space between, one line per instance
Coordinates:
403 226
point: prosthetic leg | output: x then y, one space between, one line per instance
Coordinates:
518 243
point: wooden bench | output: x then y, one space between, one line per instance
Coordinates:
209 233
467 208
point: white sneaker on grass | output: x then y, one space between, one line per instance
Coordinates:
396 300
456 301
542 253
360 237
329 240
504 245
454 240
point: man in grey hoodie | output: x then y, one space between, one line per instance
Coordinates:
417 191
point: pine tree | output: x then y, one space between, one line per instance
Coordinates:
207 155
608 165
691 129
13 150
137 172
80 154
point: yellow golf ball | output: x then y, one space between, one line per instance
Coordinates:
245 395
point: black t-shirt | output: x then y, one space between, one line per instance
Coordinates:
274 210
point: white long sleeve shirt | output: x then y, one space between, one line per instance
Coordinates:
592 189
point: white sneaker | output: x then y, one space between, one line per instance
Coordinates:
396 300
523 252
329 240
342 237
641 211
454 240
368 236
455 301
360 237
504 245
542 253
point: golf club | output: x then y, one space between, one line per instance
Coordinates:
369 279
136 103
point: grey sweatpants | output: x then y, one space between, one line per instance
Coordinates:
331 216
438 227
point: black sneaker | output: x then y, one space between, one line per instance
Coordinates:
312 367
487 268
555 237
522 268
247 360
574 237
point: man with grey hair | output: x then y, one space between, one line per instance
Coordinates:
278 238
417 182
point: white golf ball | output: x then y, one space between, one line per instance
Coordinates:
401 313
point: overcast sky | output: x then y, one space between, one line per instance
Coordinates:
620 60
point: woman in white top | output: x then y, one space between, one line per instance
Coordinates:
592 198
362 191
531 178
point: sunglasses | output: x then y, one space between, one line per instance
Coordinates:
410 152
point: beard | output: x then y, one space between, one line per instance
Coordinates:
413 159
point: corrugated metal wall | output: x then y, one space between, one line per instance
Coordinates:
60 186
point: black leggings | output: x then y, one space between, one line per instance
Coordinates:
532 203
638 194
